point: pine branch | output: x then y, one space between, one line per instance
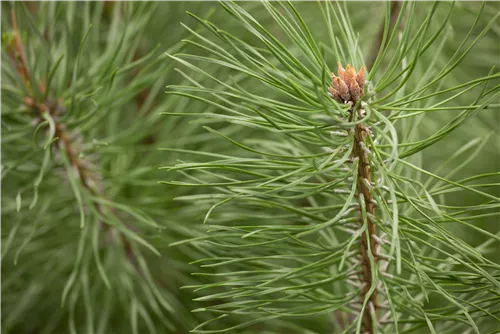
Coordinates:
65 141
348 88
92 185
303 139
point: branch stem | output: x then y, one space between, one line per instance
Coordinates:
368 242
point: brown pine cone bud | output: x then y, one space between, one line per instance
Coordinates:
348 85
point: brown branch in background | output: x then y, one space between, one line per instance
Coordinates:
32 6
377 44
16 51
65 139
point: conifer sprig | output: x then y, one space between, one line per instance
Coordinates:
289 215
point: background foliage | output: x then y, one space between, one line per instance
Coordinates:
86 226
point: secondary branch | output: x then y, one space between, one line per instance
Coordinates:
65 139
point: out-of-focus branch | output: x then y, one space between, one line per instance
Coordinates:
65 139
377 44
16 52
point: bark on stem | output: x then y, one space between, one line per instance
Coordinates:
359 151
348 87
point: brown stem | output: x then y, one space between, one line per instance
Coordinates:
348 87
395 9
364 177
368 243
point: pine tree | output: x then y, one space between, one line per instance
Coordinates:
348 206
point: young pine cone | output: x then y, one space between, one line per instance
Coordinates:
348 85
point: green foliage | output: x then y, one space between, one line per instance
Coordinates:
284 218
258 193
80 171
